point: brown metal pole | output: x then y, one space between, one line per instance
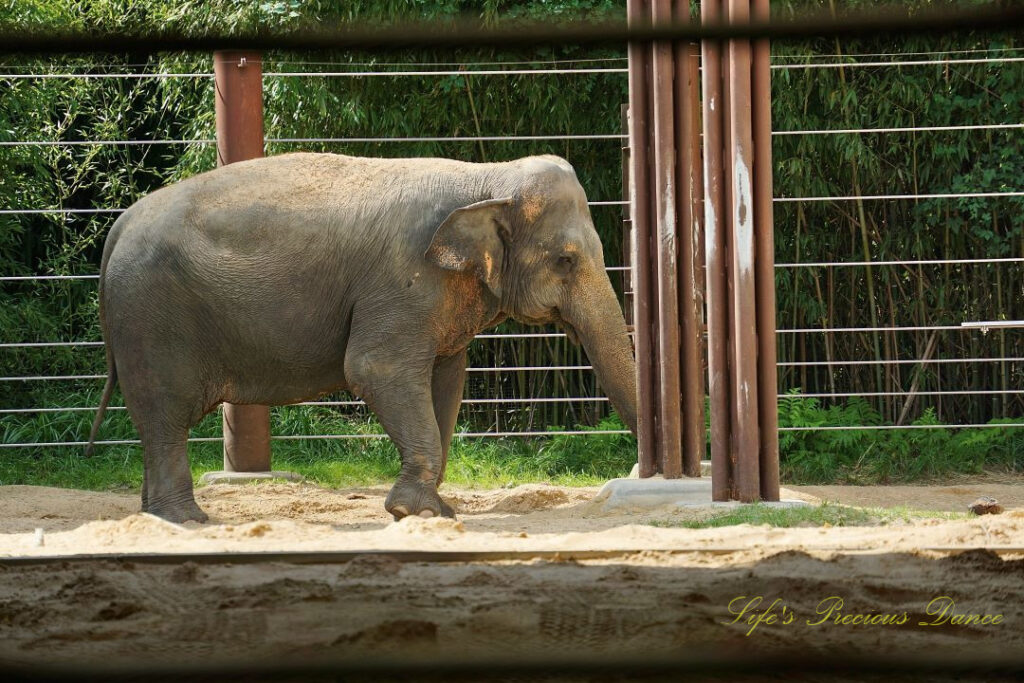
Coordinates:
697 217
691 246
669 397
641 265
767 380
727 229
715 258
697 191
238 80
743 315
627 223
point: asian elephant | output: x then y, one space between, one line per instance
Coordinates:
280 279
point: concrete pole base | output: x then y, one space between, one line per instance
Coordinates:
705 471
223 477
656 492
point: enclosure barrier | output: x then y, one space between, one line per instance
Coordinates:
790 331
740 260
664 185
733 191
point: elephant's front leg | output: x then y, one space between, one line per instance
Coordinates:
447 387
402 401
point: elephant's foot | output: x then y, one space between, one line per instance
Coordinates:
188 511
416 498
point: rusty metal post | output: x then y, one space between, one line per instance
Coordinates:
238 80
627 223
699 437
727 228
743 313
690 247
715 226
665 188
767 380
641 262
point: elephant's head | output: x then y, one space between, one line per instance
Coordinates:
535 247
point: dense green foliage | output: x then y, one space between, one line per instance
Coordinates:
95 176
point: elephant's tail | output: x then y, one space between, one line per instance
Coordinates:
108 389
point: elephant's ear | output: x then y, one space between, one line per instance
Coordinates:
470 239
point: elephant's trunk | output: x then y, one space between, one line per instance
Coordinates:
595 316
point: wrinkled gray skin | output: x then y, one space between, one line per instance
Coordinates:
278 280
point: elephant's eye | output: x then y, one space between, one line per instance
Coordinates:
565 264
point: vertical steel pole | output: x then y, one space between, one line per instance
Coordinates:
743 320
690 242
669 408
767 381
729 235
238 80
627 223
697 166
698 439
641 262
715 258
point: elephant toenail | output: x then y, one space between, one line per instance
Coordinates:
427 514
400 511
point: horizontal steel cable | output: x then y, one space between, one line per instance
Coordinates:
532 368
858 55
865 394
908 62
916 361
620 269
849 55
514 62
337 404
846 428
434 138
444 72
494 138
940 195
553 335
532 400
477 435
606 202
931 262
912 328
905 129
317 437
538 368
491 72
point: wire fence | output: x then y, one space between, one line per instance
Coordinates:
504 389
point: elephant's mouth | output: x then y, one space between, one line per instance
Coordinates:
557 319
569 330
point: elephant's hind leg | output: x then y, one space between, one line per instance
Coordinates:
168 479
162 417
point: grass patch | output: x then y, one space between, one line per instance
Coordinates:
830 514
334 463
857 456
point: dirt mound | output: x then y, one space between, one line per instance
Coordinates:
303 517
519 500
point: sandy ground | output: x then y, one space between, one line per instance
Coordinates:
677 590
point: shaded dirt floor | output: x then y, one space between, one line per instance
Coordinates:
667 591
